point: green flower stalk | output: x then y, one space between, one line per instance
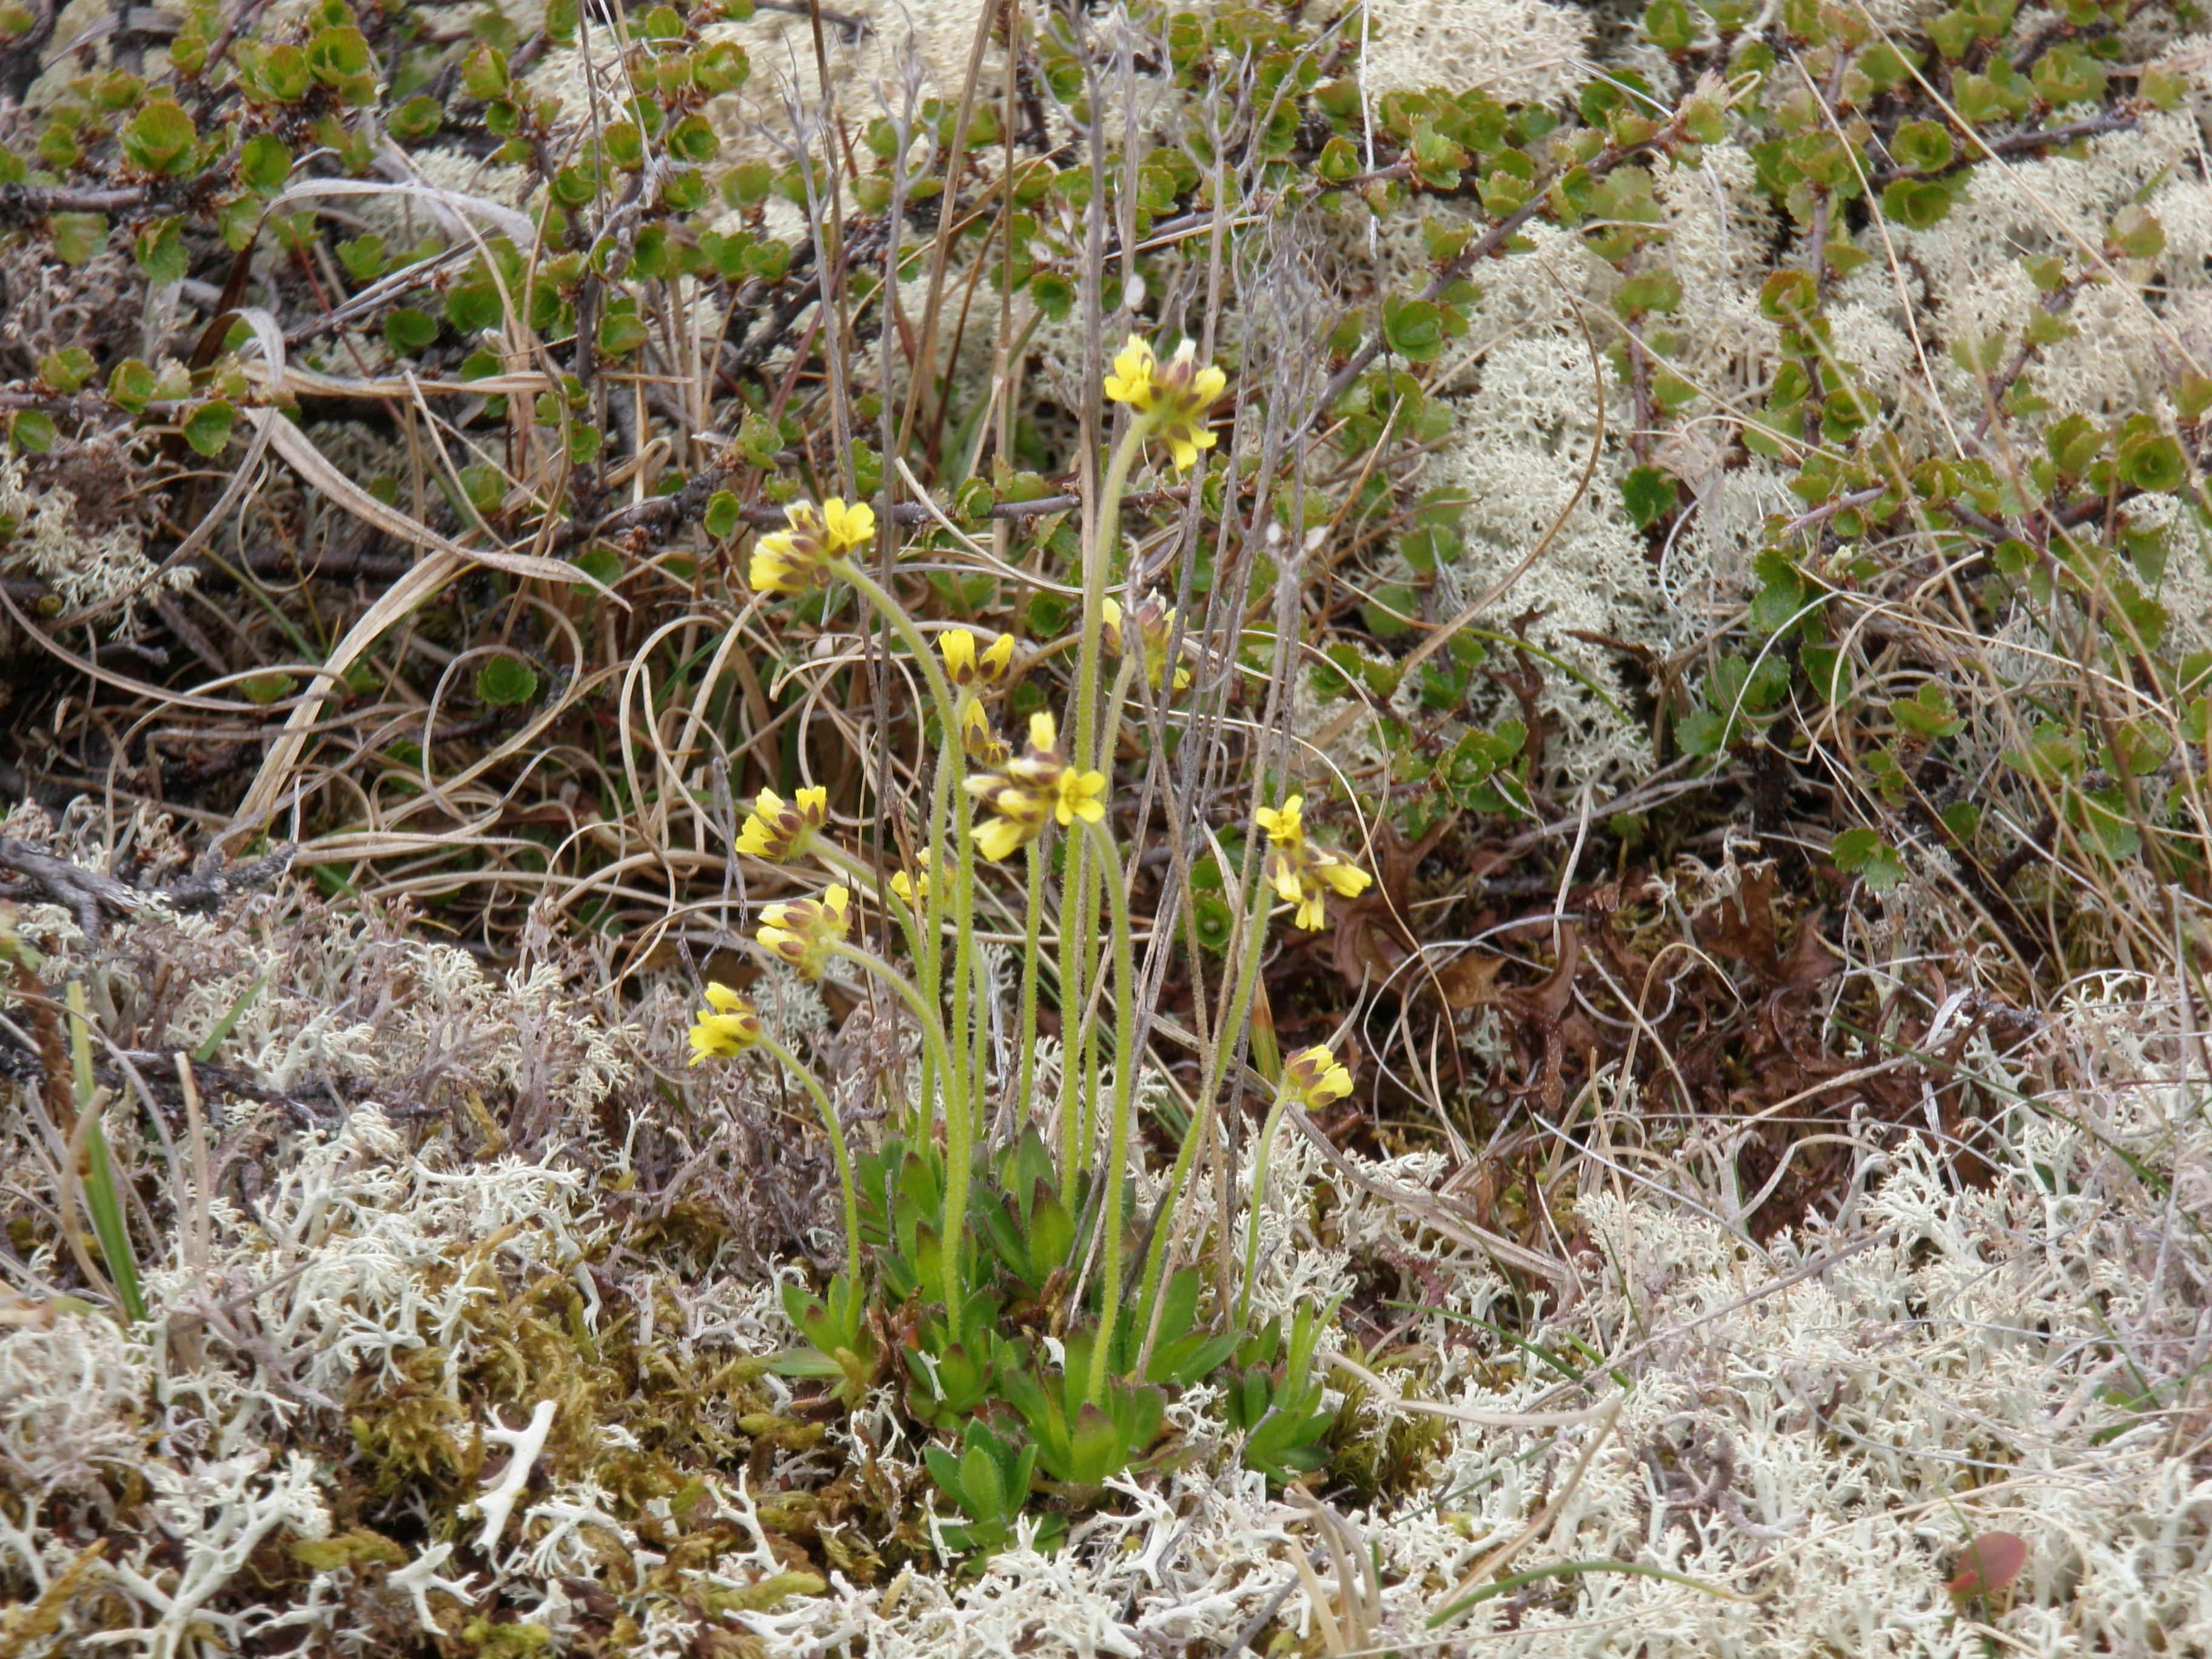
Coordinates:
1125 1089
963 1092
1170 400
1312 1079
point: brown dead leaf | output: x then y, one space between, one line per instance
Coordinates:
1810 963
1372 938
1469 982
1545 1003
1743 929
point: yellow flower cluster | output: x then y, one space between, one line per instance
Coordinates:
964 667
1302 873
984 746
778 830
727 1028
1032 788
792 559
1154 627
912 889
802 930
1170 398
1314 1078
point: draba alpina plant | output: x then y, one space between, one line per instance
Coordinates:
993 1225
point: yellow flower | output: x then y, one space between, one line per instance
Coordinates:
984 746
776 830
791 561
1155 632
1039 766
1171 398
1304 874
912 889
1134 379
728 1028
1307 877
1031 788
802 931
1284 827
1079 797
963 667
1018 821
1314 1078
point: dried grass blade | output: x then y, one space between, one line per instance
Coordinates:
314 468
509 222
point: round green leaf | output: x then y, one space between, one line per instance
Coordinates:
338 56
484 77
693 139
573 186
747 183
625 145
207 428
1649 291
486 488
408 331
160 253
1923 145
159 138
284 74
417 118
130 385
1414 329
2153 464
1788 295
721 519
621 333
1668 22
1917 204
601 564
1648 495
473 308
2137 235
506 682
722 67
32 429
76 237
263 164
67 370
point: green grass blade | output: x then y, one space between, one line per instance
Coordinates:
228 1022
101 1201
105 1207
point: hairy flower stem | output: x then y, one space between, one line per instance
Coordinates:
961 1092
949 1060
970 1014
958 1145
1125 1089
1079 889
838 859
850 1195
1031 951
1156 1258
